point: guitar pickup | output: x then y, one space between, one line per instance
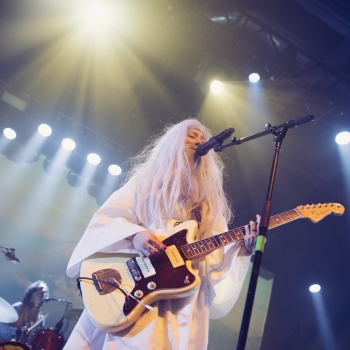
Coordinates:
146 267
174 256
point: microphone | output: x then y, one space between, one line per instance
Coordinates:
214 141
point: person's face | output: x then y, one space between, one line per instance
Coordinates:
38 295
194 137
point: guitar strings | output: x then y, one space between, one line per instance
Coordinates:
193 247
125 272
208 241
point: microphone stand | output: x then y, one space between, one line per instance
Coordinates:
265 216
59 324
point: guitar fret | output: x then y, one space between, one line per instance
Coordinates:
284 217
277 219
288 215
217 241
223 239
188 248
208 245
272 222
202 246
240 234
294 214
229 237
196 248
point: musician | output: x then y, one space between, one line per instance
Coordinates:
168 185
28 310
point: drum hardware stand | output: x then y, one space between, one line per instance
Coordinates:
59 324
265 216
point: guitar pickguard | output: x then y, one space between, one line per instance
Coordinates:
166 277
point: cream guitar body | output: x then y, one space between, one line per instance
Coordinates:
117 288
161 281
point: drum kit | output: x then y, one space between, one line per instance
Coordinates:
39 339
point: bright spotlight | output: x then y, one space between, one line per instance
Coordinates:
315 288
114 169
93 158
68 144
44 130
216 87
254 77
343 138
97 14
9 133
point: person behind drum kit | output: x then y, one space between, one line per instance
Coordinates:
28 311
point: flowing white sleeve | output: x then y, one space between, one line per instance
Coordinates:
227 268
113 222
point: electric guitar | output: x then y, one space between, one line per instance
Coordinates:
117 288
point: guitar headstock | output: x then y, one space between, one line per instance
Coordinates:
316 212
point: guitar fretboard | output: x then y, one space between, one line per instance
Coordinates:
206 246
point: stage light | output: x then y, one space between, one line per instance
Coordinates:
97 14
74 179
343 138
114 169
216 87
94 158
68 144
315 288
44 130
9 133
254 77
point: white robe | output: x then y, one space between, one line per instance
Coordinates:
176 324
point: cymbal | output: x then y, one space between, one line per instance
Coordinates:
73 314
7 313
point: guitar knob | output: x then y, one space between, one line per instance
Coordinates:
138 294
151 285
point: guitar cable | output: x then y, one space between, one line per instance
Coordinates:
97 280
117 285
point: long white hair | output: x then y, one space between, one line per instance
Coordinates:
167 176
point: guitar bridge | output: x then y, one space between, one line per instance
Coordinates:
104 280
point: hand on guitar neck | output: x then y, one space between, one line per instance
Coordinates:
251 233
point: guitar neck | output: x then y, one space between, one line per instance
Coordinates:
206 246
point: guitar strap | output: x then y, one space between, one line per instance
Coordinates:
197 214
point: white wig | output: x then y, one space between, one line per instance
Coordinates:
167 175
